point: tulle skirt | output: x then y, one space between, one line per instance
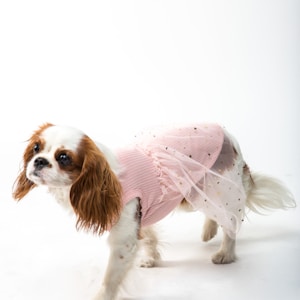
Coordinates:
202 164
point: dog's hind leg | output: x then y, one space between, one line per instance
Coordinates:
210 229
226 253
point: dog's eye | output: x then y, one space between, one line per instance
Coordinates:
36 148
64 159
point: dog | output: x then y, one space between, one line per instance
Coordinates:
195 166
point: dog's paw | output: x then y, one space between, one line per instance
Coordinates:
222 257
147 262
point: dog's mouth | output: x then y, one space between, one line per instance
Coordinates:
36 173
36 176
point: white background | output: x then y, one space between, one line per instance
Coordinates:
111 68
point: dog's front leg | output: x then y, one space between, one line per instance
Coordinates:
123 241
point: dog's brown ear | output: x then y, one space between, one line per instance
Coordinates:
96 194
22 184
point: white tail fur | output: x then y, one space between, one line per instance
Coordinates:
267 193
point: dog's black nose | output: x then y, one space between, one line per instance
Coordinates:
40 163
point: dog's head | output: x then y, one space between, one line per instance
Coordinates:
64 157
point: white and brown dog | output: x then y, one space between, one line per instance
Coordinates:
197 167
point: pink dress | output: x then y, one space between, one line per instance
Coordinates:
164 166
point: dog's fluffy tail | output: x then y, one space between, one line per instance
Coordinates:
267 194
